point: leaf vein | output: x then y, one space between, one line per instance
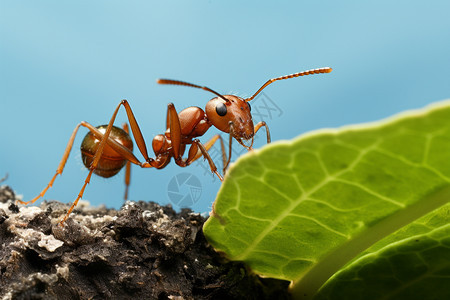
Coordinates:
320 224
371 192
303 197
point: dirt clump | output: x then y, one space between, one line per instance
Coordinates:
142 250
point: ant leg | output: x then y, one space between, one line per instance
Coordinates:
80 194
207 156
137 134
211 142
138 137
174 126
104 138
208 145
261 124
116 146
127 167
193 152
59 170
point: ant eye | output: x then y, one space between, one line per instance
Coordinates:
221 109
249 106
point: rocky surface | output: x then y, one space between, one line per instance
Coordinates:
142 250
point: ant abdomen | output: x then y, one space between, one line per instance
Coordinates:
110 162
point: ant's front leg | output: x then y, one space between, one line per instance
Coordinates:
261 124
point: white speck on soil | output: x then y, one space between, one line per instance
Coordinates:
49 242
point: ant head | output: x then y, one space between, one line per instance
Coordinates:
229 108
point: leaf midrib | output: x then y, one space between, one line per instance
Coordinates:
307 286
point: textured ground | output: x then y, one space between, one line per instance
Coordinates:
142 250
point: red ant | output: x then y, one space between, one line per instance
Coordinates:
106 149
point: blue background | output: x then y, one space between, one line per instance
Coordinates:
63 62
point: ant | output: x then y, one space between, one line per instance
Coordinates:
106 149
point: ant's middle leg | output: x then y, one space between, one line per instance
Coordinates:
127 168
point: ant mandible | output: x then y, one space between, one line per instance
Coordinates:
106 149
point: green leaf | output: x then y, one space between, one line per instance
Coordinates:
415 267
300 210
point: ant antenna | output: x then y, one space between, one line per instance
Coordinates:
308 72
178 82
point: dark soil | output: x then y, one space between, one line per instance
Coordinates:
142 250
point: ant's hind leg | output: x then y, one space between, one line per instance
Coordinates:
60 168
